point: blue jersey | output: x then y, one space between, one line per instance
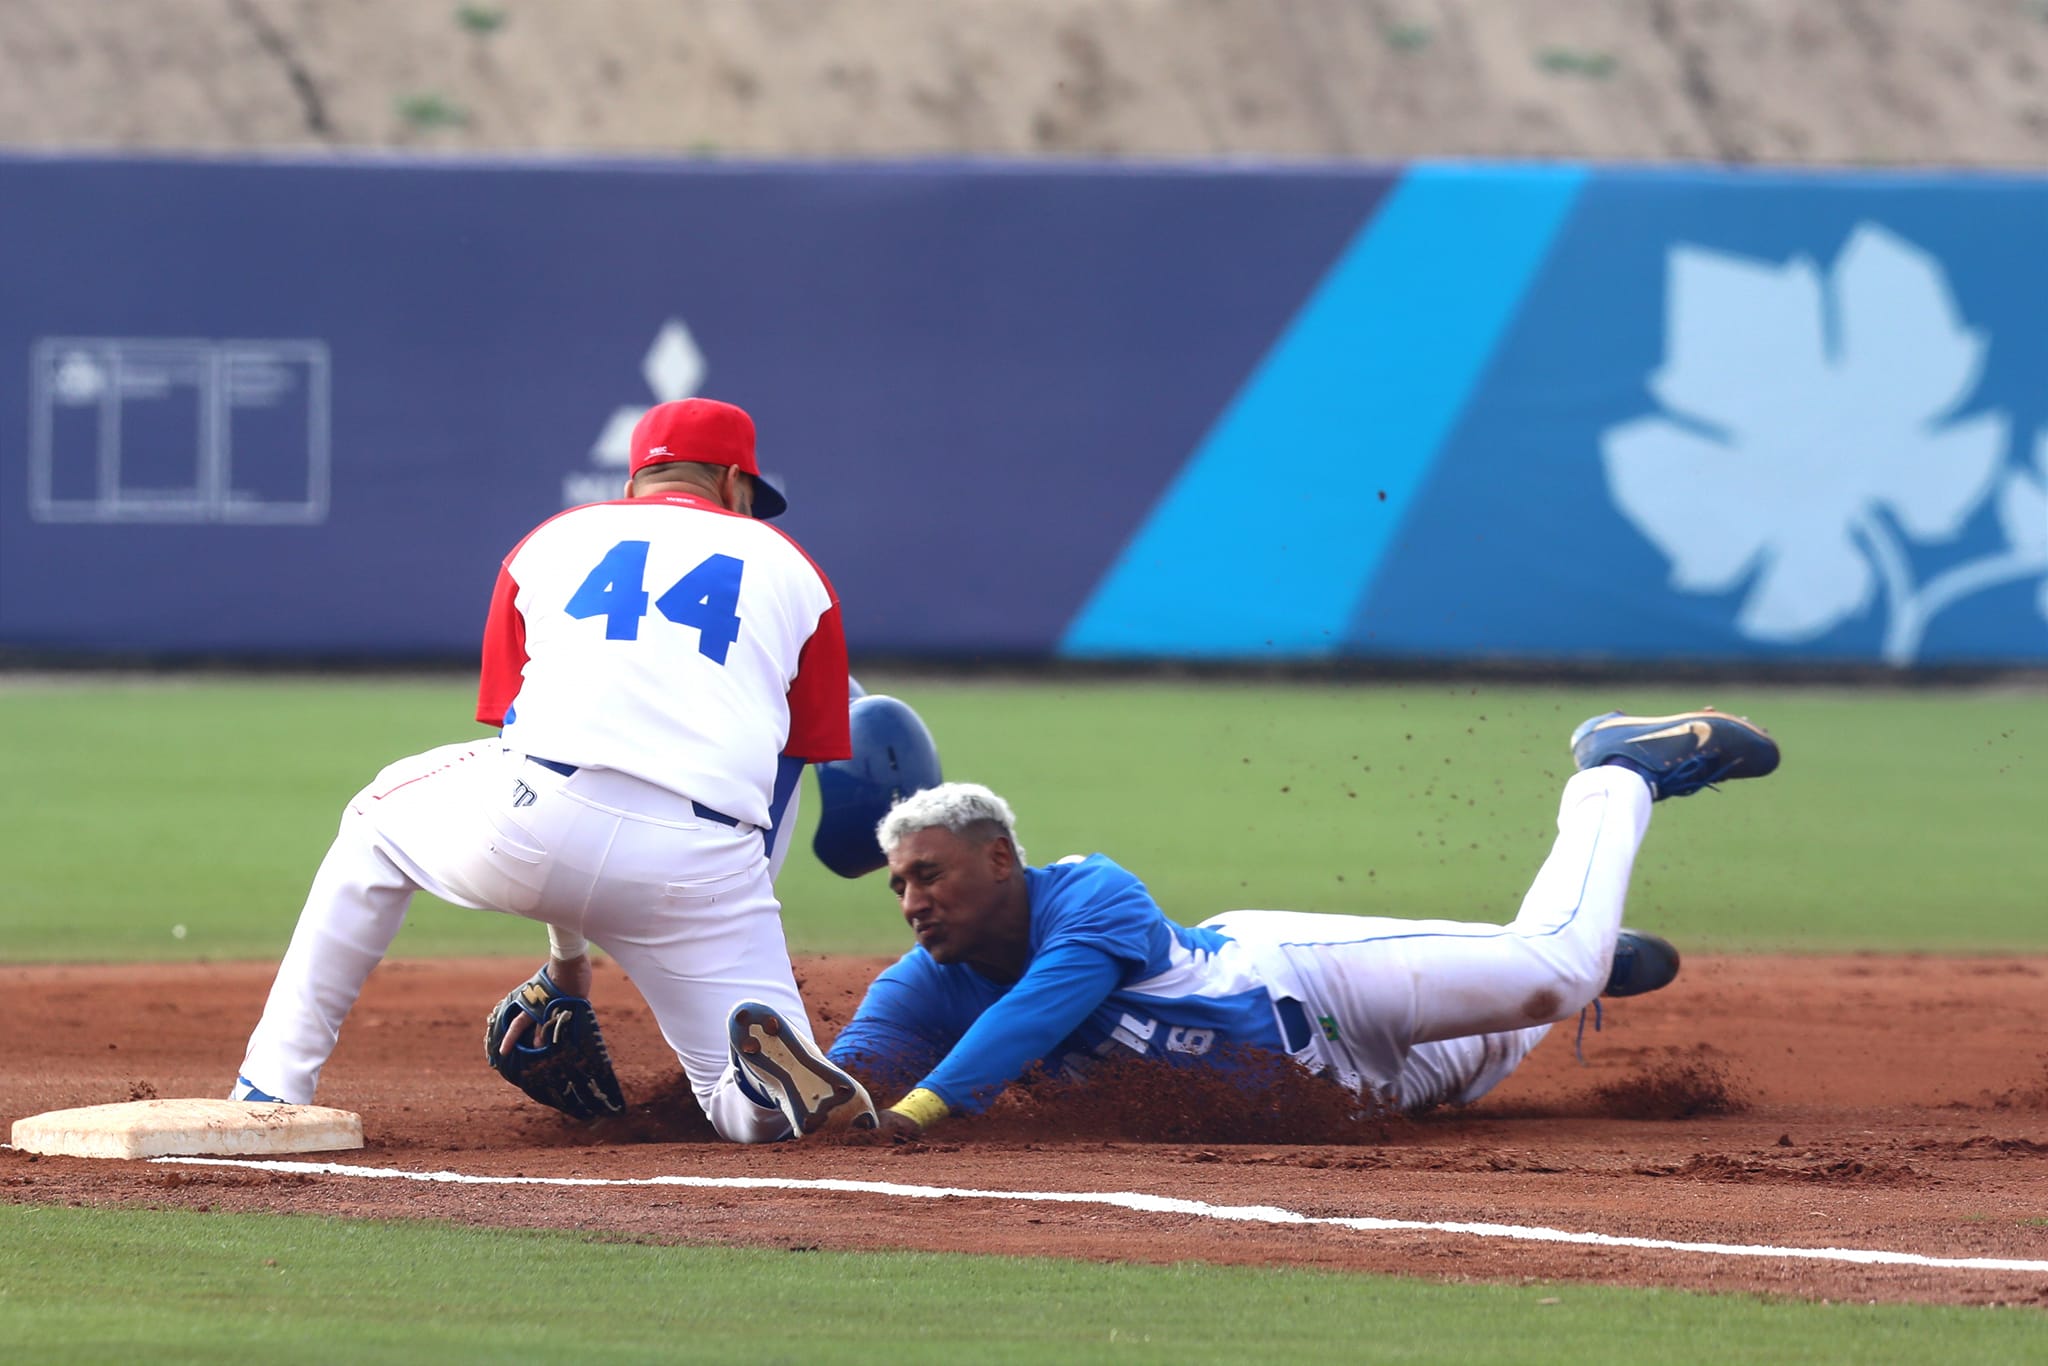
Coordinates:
1108 976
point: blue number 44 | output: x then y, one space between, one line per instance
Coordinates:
708 598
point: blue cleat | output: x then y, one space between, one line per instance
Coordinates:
777 1067
1642 962
246 1090
1677 755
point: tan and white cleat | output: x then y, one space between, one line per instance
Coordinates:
778 1065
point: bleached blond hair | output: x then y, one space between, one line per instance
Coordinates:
967 809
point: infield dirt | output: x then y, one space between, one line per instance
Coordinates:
1879 1102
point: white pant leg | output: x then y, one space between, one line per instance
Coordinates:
1460 1071
1384 985
355 909
358 903
707 948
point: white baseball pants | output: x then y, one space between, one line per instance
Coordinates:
1425 1012
682 902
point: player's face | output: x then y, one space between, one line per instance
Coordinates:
954 892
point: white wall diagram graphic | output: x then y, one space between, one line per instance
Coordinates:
1817 431
673 369
130 429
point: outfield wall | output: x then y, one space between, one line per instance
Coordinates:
1230 412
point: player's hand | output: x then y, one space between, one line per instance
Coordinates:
897 1128
889 1127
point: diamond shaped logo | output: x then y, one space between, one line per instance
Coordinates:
674 369
674 366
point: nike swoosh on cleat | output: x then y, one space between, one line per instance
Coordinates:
1625 719
1699 731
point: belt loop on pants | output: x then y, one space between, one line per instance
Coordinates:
703 811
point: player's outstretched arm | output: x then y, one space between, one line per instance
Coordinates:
1020 1030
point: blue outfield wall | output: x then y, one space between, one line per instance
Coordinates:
1228 412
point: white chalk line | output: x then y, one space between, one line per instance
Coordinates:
1145 1204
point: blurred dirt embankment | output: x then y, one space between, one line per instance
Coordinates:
1904 82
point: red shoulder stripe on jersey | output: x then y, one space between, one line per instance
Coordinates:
504 653
819 727
807 560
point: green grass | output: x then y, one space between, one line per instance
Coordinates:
115 1285
1901 819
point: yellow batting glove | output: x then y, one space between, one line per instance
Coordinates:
922 1108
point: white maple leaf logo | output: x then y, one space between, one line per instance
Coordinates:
1811 432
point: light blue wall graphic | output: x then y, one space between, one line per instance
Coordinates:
1795 418
1815 431
1265 543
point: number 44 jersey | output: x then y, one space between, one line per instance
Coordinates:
671 639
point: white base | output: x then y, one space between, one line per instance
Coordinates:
185 1128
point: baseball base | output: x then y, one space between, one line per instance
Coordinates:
188 1128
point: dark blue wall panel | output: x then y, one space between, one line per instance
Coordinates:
973 380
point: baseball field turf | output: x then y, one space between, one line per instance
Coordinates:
183 819
95 1285
153 820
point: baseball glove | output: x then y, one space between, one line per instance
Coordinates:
562 1061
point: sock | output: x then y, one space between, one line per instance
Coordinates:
1620 761
750 1090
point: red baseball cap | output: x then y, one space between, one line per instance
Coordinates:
708 432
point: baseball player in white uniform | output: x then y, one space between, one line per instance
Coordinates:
662 666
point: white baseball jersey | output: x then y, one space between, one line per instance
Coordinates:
670 639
